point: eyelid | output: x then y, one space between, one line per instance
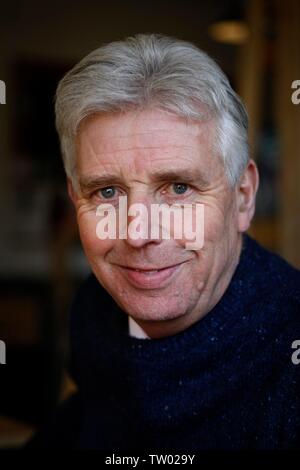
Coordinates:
188 185
167 186
96 192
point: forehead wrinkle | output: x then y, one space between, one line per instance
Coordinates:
157 145
173 142
185 173
150 130
151 162
98 147
95 136
131 149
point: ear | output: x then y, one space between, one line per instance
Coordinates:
246 192
71 191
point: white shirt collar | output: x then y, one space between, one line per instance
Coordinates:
135 330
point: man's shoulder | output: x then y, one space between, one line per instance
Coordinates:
277 273
267 289
274 302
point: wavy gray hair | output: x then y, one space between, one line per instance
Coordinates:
153 70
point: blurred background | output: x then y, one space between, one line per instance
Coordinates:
256 42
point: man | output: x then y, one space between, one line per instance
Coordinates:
172 348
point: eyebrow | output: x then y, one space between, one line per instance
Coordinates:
180 175
88 183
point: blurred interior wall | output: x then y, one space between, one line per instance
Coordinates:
283 232
250 70
288 121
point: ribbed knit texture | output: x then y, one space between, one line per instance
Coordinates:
226 382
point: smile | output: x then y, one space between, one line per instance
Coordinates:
150 278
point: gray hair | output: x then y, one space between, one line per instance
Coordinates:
153 70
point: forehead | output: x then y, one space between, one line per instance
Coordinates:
142 140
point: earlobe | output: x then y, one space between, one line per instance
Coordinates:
247 189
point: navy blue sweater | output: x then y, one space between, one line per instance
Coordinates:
226 382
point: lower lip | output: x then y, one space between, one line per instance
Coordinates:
153 280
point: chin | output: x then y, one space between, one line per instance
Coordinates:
152 311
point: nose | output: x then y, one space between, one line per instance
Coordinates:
139 221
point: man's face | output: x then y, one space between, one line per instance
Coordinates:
153 157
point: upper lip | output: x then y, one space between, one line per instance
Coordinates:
151 268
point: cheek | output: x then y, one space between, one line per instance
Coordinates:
219 221
205 224
214 225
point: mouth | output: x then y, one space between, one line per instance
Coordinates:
150 278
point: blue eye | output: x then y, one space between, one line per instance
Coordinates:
180 188
108 192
